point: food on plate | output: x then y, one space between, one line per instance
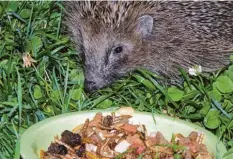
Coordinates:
112 136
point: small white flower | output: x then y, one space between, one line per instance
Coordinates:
195 70
122 146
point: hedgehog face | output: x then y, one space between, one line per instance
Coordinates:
110 54
110 36
106 59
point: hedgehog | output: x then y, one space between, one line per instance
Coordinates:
117 37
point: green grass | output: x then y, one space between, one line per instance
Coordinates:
54 84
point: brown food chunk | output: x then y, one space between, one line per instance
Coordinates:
55 148
193 136
97 119
158 139
81 151
129 128
112 144
108 121
135 141
71 139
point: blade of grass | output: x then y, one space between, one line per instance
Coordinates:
17 150
218 105
17 16
19 95
30 21
59 23
65 82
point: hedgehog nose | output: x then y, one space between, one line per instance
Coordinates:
89 86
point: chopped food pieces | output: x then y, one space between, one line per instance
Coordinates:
111 136
91 147
70 138
129 128
122 146
55 148
81 151
108 121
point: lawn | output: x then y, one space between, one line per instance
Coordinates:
52 82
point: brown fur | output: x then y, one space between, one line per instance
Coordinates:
184 34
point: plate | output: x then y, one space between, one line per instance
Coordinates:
40 135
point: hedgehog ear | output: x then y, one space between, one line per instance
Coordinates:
144 25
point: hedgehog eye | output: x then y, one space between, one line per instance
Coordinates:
118 49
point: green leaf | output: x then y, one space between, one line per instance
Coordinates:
17 150
105 104
189 95
205 109
36 42
215 93
3 63
34 45
48 109
9 48
1 9
212 120
189 109
224 84
55 95
12 6
100 99
227 105
175 94
144 81
37 92
25 13
9 38
76 93
231 67
148 95
230 125
76 75
230 74
231 58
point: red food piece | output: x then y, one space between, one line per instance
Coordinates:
135 141
97 119
141 149
129 128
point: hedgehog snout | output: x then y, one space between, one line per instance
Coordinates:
93 81
89 86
